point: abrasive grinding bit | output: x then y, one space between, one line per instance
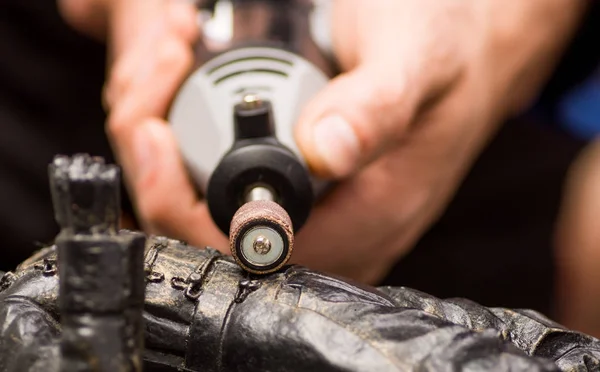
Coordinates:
261 237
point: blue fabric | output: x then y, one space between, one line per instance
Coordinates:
579 110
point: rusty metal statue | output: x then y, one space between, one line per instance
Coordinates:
107 300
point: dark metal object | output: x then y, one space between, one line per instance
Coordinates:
259 166
204 313
258 158
102 287
293 320
253 118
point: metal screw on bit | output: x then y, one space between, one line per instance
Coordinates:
259 192
261 245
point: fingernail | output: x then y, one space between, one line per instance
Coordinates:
337 145
143 143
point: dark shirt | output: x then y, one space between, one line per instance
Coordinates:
50 83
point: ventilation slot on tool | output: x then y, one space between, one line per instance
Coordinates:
276 66
261 70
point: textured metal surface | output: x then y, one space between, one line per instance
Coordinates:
260 192
85 194
102 285
202 312
257 213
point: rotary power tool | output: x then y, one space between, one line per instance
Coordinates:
234 118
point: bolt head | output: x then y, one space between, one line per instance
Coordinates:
261 245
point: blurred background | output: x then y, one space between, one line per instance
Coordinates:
519 231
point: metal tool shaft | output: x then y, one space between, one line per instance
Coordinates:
259 193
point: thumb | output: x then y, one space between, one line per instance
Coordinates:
353 120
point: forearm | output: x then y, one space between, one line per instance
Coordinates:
121 23
86 16
130 20
578 245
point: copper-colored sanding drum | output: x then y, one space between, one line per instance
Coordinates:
261 236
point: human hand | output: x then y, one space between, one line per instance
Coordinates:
426 85
150 44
